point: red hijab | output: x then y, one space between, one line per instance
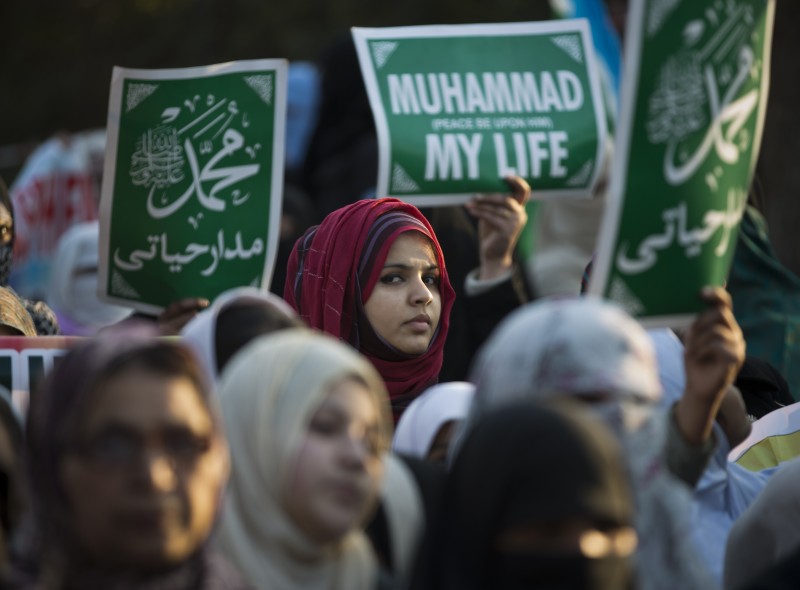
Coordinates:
332 271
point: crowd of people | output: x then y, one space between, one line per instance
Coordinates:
403 410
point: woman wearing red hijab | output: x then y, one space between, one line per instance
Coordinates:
373 275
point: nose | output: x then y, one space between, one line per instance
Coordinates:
159 473
354 452
420 292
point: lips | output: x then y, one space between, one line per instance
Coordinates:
347 493
420 323
150 521
148 516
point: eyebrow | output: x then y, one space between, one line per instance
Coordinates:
408 266
331 408
117 424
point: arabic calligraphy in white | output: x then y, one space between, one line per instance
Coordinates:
159 159
727 111
225 177
699 92
176 261
691 240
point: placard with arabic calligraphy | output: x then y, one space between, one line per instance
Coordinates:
694 98
459 107
192 183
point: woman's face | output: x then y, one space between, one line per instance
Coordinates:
143 479
405 304
6 226
339 465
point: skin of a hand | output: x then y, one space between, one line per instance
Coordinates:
714 351
501 218
179 313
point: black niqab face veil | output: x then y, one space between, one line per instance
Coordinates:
538 498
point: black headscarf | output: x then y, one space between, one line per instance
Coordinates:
526 465
763 387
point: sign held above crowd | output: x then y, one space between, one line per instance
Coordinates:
457 108
694 98
193 181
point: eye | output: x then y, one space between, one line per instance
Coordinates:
114 447
431 279
324 425
185 444
391 279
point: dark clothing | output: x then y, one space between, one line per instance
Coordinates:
474 317
784 576
530 467
763 387
207 571
765 299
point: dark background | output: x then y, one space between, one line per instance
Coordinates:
56 58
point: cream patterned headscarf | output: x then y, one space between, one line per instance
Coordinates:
269 393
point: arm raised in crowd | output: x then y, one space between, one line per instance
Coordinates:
714 353
501 218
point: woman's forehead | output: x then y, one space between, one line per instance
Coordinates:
146 400
413 242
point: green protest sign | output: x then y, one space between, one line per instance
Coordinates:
192 184
693 104
459 107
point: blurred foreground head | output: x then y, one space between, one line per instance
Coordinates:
309 425
584 348
127 459
538 497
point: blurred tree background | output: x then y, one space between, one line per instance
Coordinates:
57 55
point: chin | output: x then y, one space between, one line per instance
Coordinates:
414 348
337 521
149 558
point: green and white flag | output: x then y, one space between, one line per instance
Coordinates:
459 107
694 97
192 185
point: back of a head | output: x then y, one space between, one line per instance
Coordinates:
421 423
531 485
574 346
244 320
236 317
763 387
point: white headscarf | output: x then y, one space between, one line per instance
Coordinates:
422 420
576 346
269 392
200 332
72 287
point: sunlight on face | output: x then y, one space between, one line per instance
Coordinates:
144 479
339 465
405 305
